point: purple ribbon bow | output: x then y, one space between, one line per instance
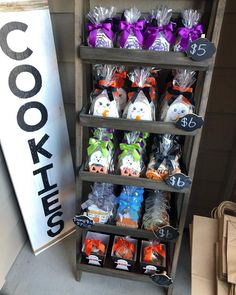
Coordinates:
187 33
92 28
127 28
152 33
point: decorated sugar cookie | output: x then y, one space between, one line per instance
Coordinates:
178 100
103 107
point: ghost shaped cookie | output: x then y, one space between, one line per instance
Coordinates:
178 109
98 163
103 107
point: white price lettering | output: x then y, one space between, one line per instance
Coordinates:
198 49
177 181
191 123
165 234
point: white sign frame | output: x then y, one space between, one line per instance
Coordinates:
33 130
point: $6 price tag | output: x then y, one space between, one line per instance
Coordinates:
176 182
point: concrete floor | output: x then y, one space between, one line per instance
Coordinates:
52 273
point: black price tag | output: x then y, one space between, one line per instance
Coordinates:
161 279
83 221
167 233
179 181
201 49
190 122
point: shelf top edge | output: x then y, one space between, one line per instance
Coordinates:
163 60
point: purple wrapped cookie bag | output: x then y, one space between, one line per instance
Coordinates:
159 32
131 30
191 31
100 27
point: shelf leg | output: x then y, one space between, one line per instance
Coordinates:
170 290
78 275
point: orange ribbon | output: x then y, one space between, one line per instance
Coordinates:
89 244
148 252
181 89
122 242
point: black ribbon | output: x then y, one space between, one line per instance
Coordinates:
171 155
176 93
109 90
160 158
136 90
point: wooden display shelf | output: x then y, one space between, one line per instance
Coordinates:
129 180
156 127
132 232
164 60
108 270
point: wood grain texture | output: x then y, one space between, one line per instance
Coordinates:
61 6
136 233
212 165
147 5
23 5
164 60
67 78
63 31
128 180
222 99
125 124
217 136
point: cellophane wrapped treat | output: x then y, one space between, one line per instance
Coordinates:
124 248
159 32
178 100
130 162
156 210
100 152
141 105
191 30
100 27
131 30
120 77
130 202
105 98
154 253
100 203
164 160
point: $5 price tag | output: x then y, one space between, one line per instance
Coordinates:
179 181
200 49
190 122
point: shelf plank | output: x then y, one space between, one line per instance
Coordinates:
127 231
164 60
128 180
114 273
127 124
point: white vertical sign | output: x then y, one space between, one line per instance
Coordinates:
33 130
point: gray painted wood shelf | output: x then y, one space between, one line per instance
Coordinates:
156 127
108 271
213 11
132 232
129 180
164 60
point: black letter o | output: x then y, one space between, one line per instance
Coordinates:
21 69
22 110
